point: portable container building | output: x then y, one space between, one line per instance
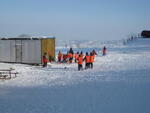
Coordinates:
26 50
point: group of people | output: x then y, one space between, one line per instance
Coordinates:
77 57
88 58
64 58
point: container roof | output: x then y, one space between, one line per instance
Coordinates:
27 38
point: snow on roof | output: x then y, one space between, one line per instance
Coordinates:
27 38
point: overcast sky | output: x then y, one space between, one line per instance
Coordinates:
74 19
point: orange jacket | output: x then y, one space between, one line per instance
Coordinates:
87 59
70 55
91 59
45 60
76 56
80 60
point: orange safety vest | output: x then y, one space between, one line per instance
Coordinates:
91 59
87 59
80 60
70 55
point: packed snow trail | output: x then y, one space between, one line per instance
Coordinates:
119 83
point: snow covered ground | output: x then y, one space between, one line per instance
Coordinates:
119 83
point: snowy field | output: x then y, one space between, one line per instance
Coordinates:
119 83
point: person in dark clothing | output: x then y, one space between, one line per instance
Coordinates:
104 51
94 52
71 51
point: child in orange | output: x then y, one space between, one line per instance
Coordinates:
80 62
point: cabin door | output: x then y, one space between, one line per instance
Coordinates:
18 51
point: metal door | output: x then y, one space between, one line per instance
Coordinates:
18 51
31 51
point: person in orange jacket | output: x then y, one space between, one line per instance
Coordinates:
80 62
60 57
76 56
45 60
70 56
87 60
91 60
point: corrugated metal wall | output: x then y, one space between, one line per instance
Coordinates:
7 51
20 51
48 46
31 51
18 46
26 51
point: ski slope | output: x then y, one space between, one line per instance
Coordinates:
119 83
